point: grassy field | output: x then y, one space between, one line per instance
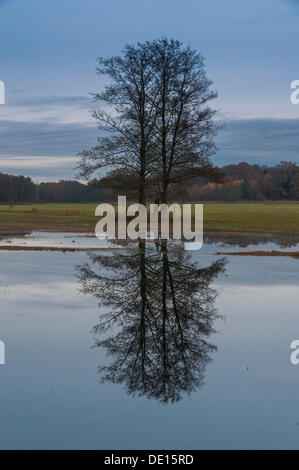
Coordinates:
252 218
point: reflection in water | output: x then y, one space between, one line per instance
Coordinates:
163 307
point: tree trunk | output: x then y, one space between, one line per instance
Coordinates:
142 197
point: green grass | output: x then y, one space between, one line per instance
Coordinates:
278 217
253 217
64 217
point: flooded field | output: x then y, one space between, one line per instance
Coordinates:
149 346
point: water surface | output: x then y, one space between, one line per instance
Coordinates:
51 394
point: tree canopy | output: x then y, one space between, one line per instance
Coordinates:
154 116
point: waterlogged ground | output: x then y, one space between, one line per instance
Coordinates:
51 395
58 241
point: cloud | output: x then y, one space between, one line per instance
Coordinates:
40 101
261 141
41 135
43 150
45 138
65 109
46 150
40 168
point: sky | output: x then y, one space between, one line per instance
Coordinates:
48 53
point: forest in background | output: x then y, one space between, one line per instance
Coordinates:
239 182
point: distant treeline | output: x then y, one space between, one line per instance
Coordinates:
18 189
241 182
249 183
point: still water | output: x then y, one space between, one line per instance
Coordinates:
197 355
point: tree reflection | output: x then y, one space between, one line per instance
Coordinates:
162 306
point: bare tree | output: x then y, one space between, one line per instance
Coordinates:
184 127
127 117
156 124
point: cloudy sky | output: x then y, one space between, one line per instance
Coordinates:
48 52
